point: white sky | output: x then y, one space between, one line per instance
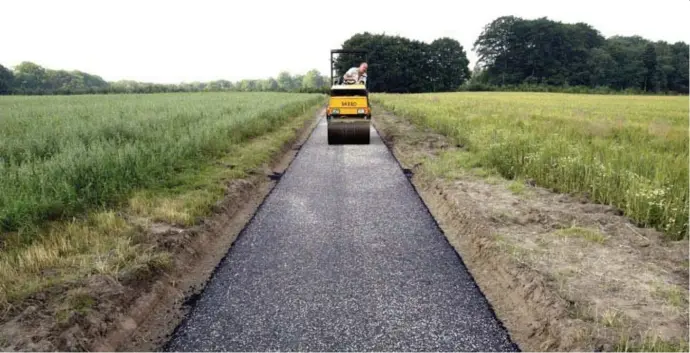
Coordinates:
201 40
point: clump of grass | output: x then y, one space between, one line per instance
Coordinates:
651 344
627 151
612 318
517 186
590 235
78 302
672 295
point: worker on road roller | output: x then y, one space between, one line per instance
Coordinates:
349 112
356 74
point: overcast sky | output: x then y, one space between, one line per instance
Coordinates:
200 40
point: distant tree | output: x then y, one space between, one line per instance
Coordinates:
285 81
649 60
271 84
312 80
297 82
602 67
627 53
248 85
212 86
450 66
679 60
6 80
495 45
29 78
224 85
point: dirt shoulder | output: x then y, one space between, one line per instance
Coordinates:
135 310
561 273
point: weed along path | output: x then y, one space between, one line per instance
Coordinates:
342 256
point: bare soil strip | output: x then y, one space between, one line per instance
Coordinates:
138 314
562 273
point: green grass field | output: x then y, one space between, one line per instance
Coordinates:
626 151
75 171
62 155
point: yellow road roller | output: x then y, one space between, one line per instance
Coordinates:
349 112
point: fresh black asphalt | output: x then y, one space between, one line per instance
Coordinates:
341 256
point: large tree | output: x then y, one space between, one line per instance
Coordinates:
494 48
29 78
540 51
449 64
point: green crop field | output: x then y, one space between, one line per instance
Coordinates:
62 155
75 171
627 151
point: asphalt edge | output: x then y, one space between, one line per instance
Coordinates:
190 302
408 174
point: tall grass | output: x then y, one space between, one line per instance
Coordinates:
62 155
626 151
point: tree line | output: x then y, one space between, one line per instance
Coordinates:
514 54
29 78
514 51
